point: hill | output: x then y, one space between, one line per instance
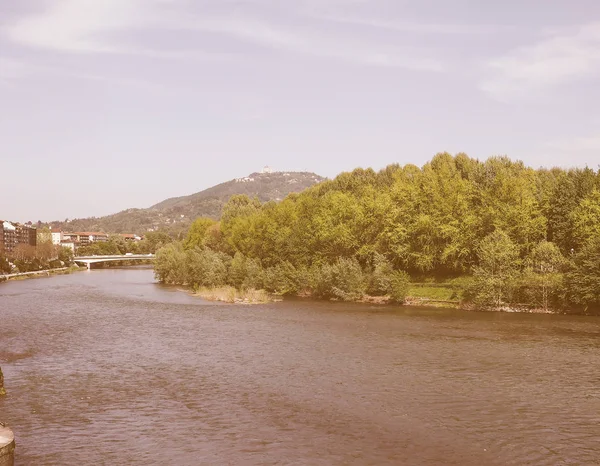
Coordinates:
175 214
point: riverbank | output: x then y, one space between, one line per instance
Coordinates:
40 273
228 294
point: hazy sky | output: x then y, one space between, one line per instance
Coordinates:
110 104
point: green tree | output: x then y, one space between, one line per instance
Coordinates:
586 219
237 271
170 264
343 280
381 277
205 267
154 240
282 279
399 286
583 281
199 233
498 267
543 275
65 255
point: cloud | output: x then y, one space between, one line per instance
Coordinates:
551 62
294 39
12 70
415 27
88 26
77 25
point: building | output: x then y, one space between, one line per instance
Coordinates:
8 237
130 237
68 244
57 237
27 234
85 238
13 234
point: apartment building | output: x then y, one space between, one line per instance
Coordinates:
13 234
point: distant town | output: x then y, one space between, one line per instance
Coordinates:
15 235
17 239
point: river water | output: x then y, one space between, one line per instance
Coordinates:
107 367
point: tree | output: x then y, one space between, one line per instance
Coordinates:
399 286
381 277
282 279
237 271
543 275
45 250
586 218
498 267
583 281
65 255
198 233
205 267
24 252
170 264
343 280
154 240
5 267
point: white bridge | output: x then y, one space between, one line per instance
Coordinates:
89 260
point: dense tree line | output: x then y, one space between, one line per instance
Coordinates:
525 236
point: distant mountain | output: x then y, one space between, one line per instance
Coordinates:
175 214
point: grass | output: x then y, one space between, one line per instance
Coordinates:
445 290
435 293
229 294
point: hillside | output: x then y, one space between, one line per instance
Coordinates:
176 213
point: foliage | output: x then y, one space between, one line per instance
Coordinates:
586 219
380 279
399 286
170 265
198 233
543 277
282 279
511 228
5 267
583 282
343 280
497 269
205 267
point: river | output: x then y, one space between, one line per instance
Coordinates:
107 367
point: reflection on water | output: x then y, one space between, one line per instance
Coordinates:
106 367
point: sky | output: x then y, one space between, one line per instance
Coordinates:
112 104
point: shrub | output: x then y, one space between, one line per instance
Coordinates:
342 280
382 276
170 264
205 267
254 275
399 285
281 279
